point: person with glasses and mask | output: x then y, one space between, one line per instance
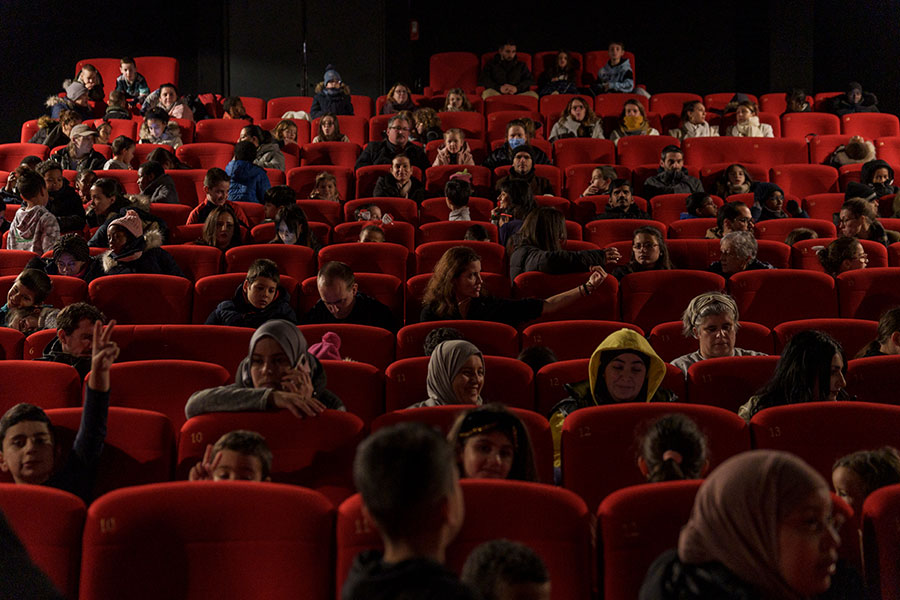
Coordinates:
396 142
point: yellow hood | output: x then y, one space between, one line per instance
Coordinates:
628 339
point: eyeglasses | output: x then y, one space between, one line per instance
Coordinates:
645 246
742 219
395 128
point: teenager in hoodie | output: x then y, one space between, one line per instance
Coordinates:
616 75
34 228
879 175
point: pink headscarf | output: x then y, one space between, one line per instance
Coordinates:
737 512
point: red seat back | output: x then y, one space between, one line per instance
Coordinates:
46 384
368 258
653 297
448 70
497 339
339 154
868 293
765 151
571 339
602 304
143 299
729 382
196 262
870 125
359 343
294 261
853 334
881 541
359 385
773 296
873 379
800 125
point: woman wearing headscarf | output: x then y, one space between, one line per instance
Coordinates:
760 528
455 375
278 372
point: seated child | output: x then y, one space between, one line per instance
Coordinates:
64 203
248 181
258 299
795 101
157 128
492 443
601 177
371 233
74 334
857 475
477 233
276 198
799 234
292 228
117 107
693 122
455 150
879 175
326 188
699 205
123 148
130 82
673 448
616 75
458 190
215 185
238 455
233 108
768 203
410 489
748 125
399 183
24 309
34 228
457 101
505 570
104 129
329 130
27 445
285 132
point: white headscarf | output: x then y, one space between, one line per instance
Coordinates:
446 361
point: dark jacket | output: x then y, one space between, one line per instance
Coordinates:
527 258
332 101
65 204
386 187
671 182
617 212
53 352
499 72
383 152
151 222
366 311
238 312
119 205
841 105
503 156
540 186
670 579
248 181
162 189
868 173
152 259
51 136
89 162
580 397
754 265
370 578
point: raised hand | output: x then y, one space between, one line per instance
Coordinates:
203 470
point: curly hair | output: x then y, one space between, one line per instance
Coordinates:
439 291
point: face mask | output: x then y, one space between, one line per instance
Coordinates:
516 142
634 122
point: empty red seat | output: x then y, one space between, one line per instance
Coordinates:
720 100
853 334
773 296
727 149
497 339
196 262
577 151
453 231
171 540
471 123
359 385
601 304
276 107
505 102
368 258
46 384
53 541
428 255
359 343
778 229
293 260
611 432
338 154
805 180
507 381
605 231
868 293
888 148
881 541
12 344
571 339
11 155
448 70
670 342
667 208
211 290
730 381
654 297
13 261
870 125
823 206
636 524
224 131
206 156
642 149
142 298
671 103
800 125
873 379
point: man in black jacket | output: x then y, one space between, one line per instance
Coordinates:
506 75
342 302
397 142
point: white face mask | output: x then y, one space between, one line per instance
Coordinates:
287 237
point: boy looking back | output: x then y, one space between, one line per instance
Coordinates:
410 489
34 228
130 82
238 456
257 300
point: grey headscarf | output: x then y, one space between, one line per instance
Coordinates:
288 337
446 361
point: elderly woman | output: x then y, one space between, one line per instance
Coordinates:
491 443
761 527
455 375
277 373
738 254
711 318
858 219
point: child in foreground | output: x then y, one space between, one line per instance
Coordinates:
238 456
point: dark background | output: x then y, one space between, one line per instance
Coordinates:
253 48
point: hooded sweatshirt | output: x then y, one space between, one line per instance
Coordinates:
34 229
868 173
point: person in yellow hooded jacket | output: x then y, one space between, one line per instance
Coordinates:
623 368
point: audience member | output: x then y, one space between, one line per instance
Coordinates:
79 153
577 120
505 570
426 126
117 107
457 101
455 150
399 182
699 205
858 219
329 130
123 149
672 176
537 357
233 108
325 188
458 190
738 253
72 258
276 198
396 142
371 234
842 255
616 75
879 175
455 375
768 203
64 203
292 228
76 99
648 253
216 184
268 152
134 250
33 227
632 121
158 128
437 335
166 98
249 182
25 310
238 455
601 178
156 184
107 200
91 79
747 122
331 96
860 473
731 217
560 77
286 132
84 180
74 337
398 100
53 133
505 75
477 233
621 204
855 151
516 135
735 179
854 100
340 301
492 443
800 234
514 203
693 122
130 82
888 338
522 169
673 448
260 298
221 229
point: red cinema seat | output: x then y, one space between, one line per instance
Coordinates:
313 452
571 339
276 107
507 381
11 155
53 541
303 180
157 70
471 123
822 432
823 206
400 209
503 102
387 289
667 208
362 105
12 344
359 385
338 154
672 103
881 541
163 385
437 177
853 334
65 290
655 297
805 180
602 304
435 210
359 343
690 228
173 214
720 100
669 341
730 381
196 262
128 179
13 261
171 540
139 447
223 131
443 417
29 129
448 70
207 155
612 104
321 211
46 384
492 255
870 125
636 525
774 252
727 149
142 299
125 127
378 127
873 379
773 296
397 232
211 290
221 345
606 231
821 99
414 290
611 432
821 147
868 293
497 509
389 259
776 102
453 231
888 148
643 149
496 339
294 261
578 151
800 125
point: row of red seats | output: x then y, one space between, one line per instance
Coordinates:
635 523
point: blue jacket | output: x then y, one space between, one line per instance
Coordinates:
248 182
